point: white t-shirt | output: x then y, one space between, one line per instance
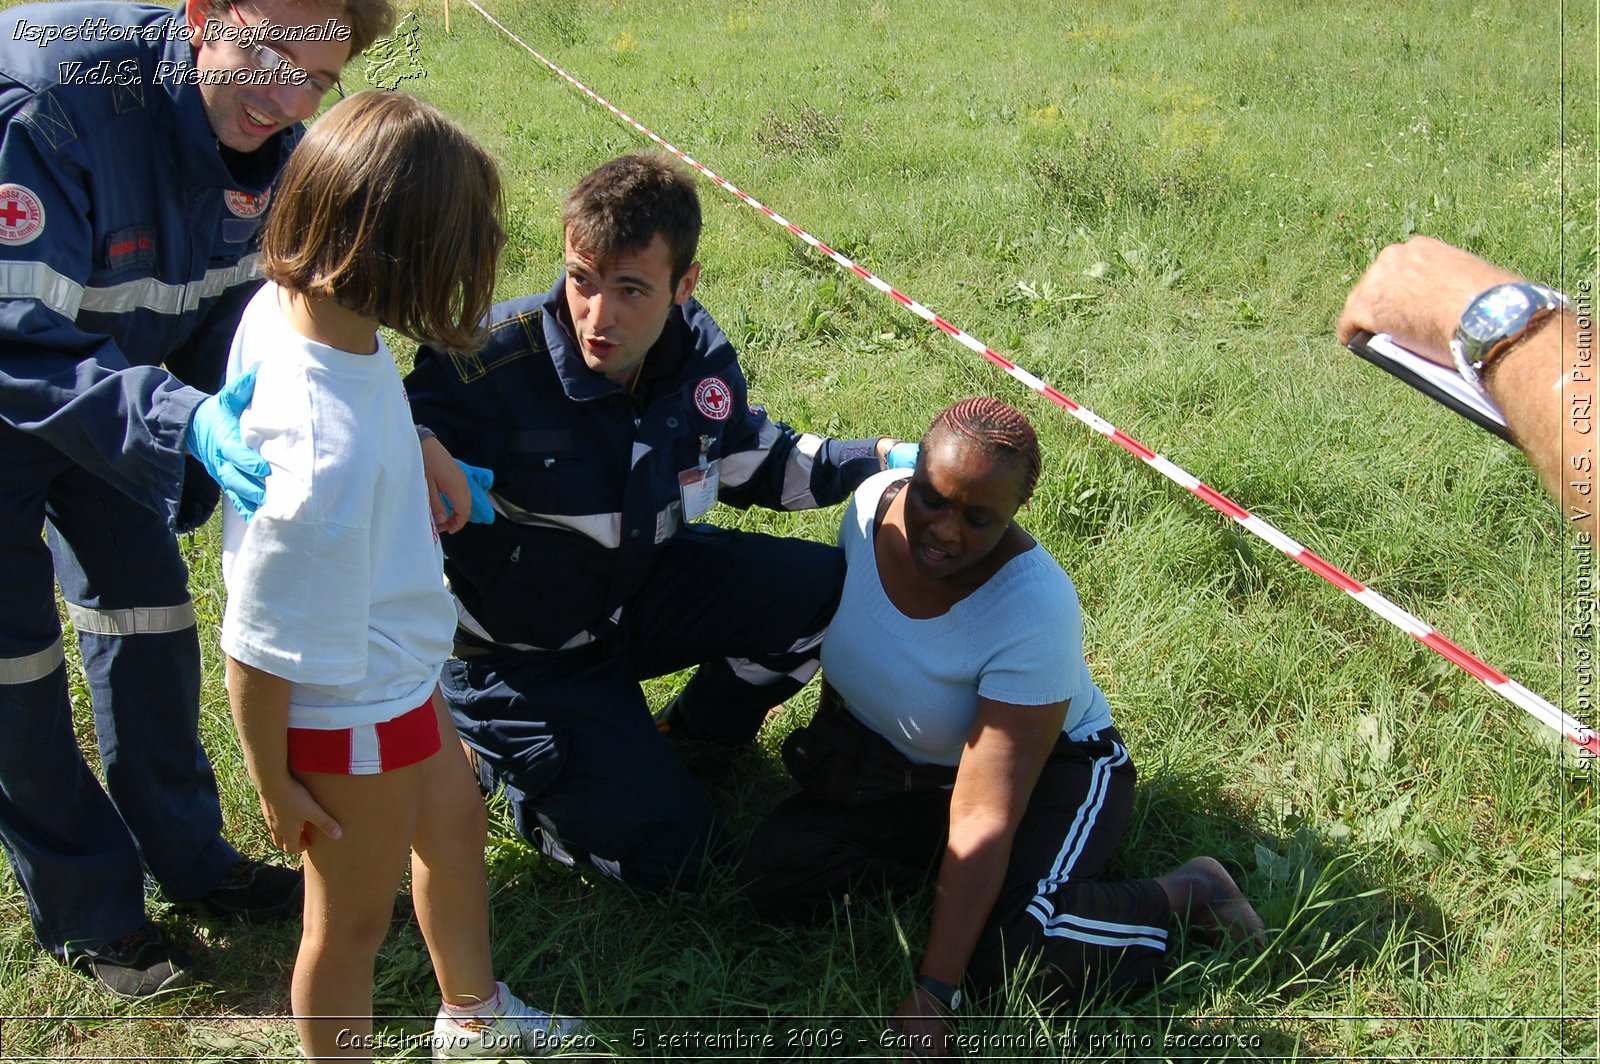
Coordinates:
337 583
1017 639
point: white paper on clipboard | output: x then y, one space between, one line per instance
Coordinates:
1440 383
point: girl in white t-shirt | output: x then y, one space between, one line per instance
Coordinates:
338 621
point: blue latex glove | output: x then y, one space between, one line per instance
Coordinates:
213 438
479 481
903 456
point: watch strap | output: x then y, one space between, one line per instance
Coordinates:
947 995
1473 357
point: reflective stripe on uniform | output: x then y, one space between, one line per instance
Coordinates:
31 667
470 624
140 620
604 529
668 521
147 293
36 280
797 474
761 676
737 469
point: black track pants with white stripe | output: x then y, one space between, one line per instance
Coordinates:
1058 922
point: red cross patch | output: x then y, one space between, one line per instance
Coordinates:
246 205
21 215
713 398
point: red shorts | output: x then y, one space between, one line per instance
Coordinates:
367 749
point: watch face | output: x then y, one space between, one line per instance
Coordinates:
1499 312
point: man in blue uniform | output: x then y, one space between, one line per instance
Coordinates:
614 415
138 151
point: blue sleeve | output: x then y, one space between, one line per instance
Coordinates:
201 362
75 389
781 469
766 463
430 388
1037 643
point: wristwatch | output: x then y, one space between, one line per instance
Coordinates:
947 995
1494 320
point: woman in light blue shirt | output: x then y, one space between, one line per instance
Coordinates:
966 732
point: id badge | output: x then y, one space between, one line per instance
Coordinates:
698 488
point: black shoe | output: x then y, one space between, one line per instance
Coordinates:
256 891
137 965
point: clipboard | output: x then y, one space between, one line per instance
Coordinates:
1439 383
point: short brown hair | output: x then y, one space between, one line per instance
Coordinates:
369 20
393 212
621 205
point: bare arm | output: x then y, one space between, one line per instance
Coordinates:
1543 385
260 704
1547 399
1005 751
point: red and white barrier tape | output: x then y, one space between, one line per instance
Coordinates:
1575 730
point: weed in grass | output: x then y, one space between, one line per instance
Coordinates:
1106 169
810 131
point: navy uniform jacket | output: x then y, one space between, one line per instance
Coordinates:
126 241
587 485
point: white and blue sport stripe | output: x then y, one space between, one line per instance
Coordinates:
1069 925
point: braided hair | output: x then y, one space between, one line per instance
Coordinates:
995 427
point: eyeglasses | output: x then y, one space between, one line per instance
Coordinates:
275 62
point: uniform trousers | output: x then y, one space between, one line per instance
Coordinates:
569 734
1057 920
75 846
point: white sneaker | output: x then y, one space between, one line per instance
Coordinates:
517 1031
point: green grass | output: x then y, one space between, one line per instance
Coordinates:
1158 209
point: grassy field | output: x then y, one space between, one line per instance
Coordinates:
1158 209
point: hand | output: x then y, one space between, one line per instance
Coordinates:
457 492
922 1026
291 812
479 481
902 456
1416 292
213 438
